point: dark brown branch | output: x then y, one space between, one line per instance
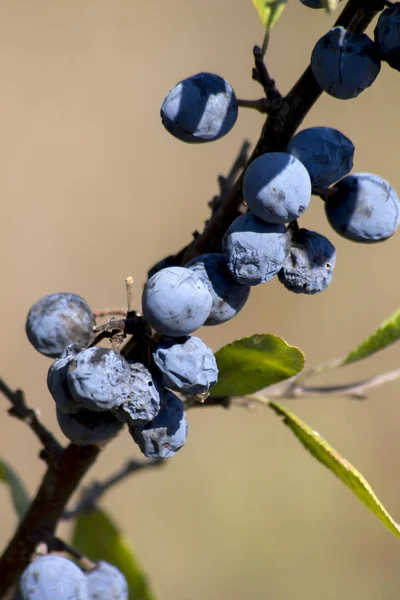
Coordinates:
20 410
45 511
93 494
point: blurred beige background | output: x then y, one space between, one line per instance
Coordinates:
93 189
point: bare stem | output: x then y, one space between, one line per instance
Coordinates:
93 494
263 105
20 410
129 295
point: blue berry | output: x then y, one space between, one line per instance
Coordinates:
144 403
187 365
88 427
167 433
202 108
57 380
176 301
387 36
345 63
53 577
365 208
106 582
58 320
326 153
254 250
99 379
309 266
228 296
277 187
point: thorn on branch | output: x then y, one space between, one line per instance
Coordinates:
226 183
261 75
52 449
92 495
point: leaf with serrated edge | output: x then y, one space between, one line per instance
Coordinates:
97 537
19 494
253 363
387 333
331 459
269 11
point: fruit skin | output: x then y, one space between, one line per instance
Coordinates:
365 208
144 403
326 153
387 36
99 379
106 582
344 63
58 320
277 187
201 108
187 365
309 266
57 380
176 301
53 577
228 296
88 427
254 250
167 433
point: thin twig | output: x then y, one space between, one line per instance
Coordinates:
21 410
356 389
93 494
226 183
261 75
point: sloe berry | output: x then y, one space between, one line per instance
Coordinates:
255 250
228 296
202 108
277 187
58 320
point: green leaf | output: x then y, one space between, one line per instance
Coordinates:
19 494
387 333
331 5
255 362
323 452
269 11
97 537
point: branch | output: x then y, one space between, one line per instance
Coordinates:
355 389
20 410
57 487
98 489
